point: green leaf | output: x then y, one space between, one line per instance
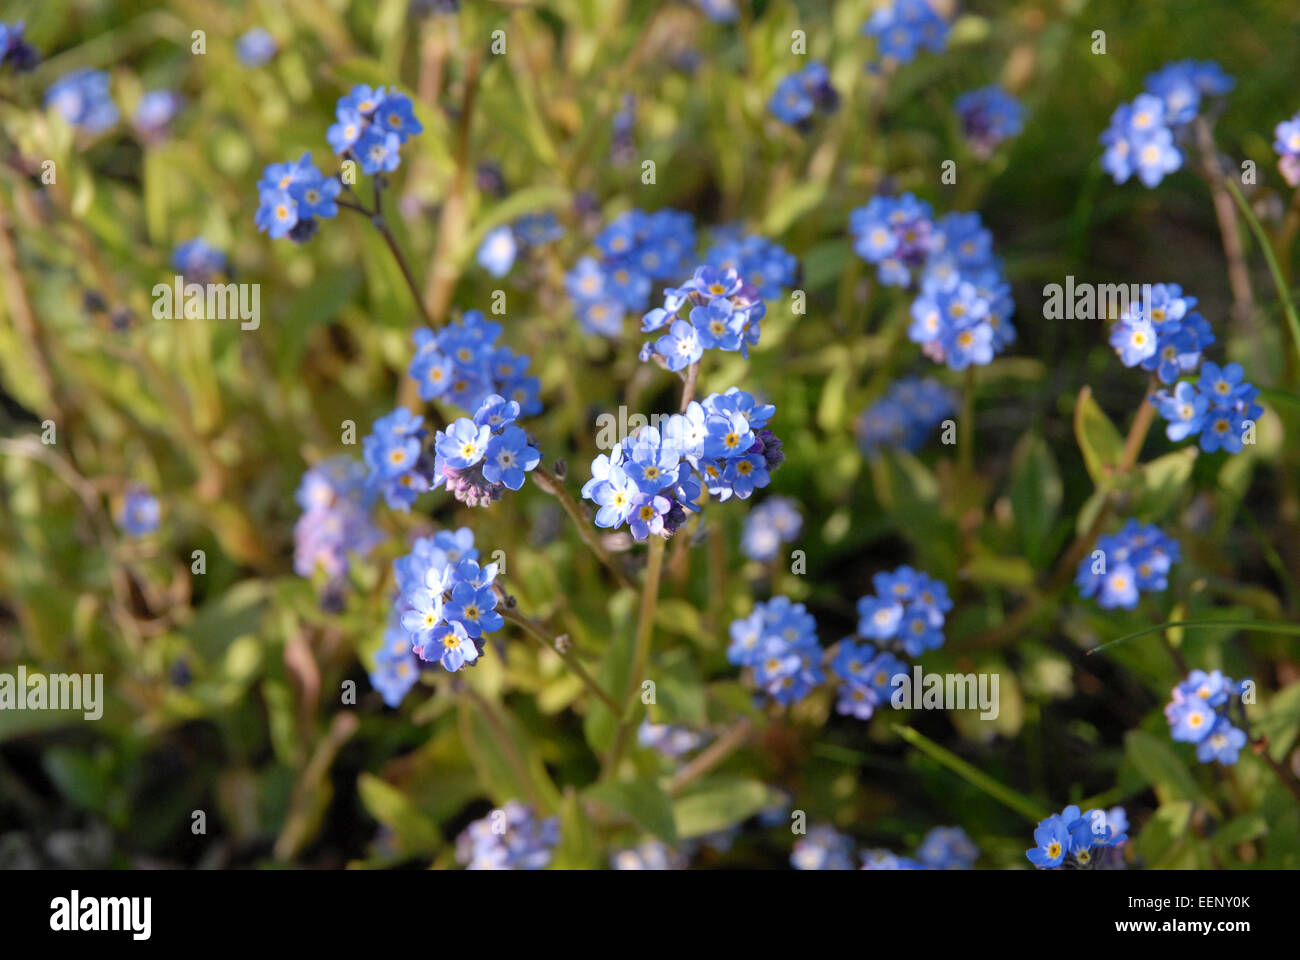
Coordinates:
1161 481
641 801
1035 492
577 849
1163 835
976 778
1099 440
1160 766
599 723
719 803
1281 721
392 808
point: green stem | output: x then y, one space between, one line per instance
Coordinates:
1293 321
569 659
1260 626
976 778
555 487
640 653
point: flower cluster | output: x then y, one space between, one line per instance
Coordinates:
907 612
400 467
988 117
1166 336
944 848
478 459
1287 145
292 197
335 497
82 99
648 855
1163 335
904 416
1077 841
724 313
906 615
905 26
1198 713
822 848
501 245
655 476
778 643
396 667
773 522
372 125
669 740
463 364
446 602
140 513
961 315
637 250
1123 564
1219 407
1143 136
16 51
765 265
511 838
199 260
801 94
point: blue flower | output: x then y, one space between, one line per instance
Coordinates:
82 99
378 151
511 838
1222 745
681 347
141 513
988 117
904 417
422 616
947 848
155 111
496 254
905 26
1286 143
1191 720
451 646
335 497
255 48
396 115
1134 339
343 135
774 521
14 50
822 848
778 643
509 457
394 676
616 496
463 444
199 260
363 99
1135 559
1052 839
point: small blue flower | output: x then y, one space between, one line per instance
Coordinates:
343 135
378 151
988 117
474 608
141 513
82 99
255 48
509 457
1222 745
1052 839
496 254
463 444
396 115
